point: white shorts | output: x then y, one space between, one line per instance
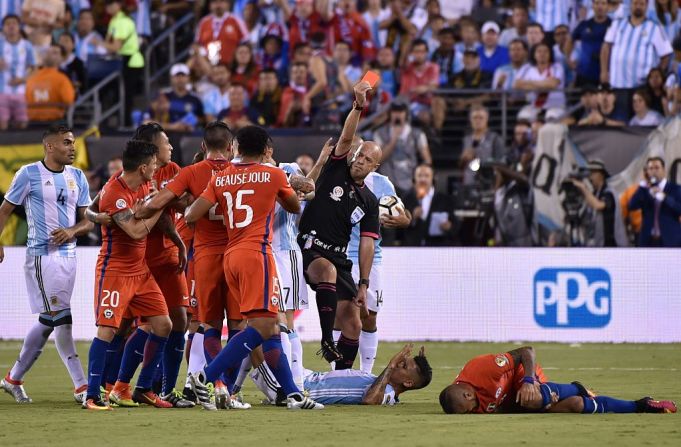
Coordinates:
291 279
49 281
375 292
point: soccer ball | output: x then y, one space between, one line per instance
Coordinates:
390 206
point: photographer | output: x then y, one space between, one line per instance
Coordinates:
602 221
480 143
512 208
660 201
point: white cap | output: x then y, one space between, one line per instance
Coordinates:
179 69
528 113
555 113
490 26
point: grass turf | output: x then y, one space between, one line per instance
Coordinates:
625 371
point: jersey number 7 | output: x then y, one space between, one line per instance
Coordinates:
239 206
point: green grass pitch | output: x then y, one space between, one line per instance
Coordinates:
626 371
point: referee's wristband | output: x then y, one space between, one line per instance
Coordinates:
528 379
357 106
364 282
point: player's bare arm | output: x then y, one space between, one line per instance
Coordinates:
529 394
366 259
5 211
81 228
376 392
197 210
166 225
135 227
93 215
301 183
321 160
402 220
352 121
181 203
155 204
290 203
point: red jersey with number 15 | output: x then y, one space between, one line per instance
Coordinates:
160 249
210 236
247 193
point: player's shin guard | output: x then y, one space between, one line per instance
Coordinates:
211 344
114 356
96 360
172 360
133 353
30 351
563 391
605 404
153 352
327 302
348 348
278 363
296 359
368 346
231 356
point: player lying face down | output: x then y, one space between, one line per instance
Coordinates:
513 382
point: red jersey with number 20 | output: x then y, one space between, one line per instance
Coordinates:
247 192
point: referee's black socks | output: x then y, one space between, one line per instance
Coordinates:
348 349
327 301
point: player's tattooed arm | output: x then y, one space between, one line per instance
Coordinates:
135 228
376 392
155 204
93 215
301 184
529 395
166 225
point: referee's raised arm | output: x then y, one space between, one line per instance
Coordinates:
352 120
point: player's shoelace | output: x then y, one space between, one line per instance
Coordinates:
329 352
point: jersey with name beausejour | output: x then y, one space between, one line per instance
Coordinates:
340 204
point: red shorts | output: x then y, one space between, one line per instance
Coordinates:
119 296
253 282
211 289
172 284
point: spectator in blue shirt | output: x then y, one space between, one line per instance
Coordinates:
446 56
184 107
492 55
589 36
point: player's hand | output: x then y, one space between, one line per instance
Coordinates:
401 356
361 299
103 219
326 151
361 89
528 394
399 221
182 256
62 235
300 183
2 253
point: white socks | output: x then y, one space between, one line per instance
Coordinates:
63 339
30 351
264 380
296 359
336 335
197 357
368 346
245 367
286 346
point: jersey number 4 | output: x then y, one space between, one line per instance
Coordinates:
61 198
232 204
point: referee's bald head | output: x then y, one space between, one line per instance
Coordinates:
365 159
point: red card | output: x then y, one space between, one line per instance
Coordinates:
371 77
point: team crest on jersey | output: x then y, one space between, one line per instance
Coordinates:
275 300
193 302
121 204
71 184
501 360
337 193
108 313
498 393
54 300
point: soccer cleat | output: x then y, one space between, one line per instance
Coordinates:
297 401
584 391
188 394
96 404
234 403
150 398
221 395
15 388
122 396
80 394
202 390
649 405
177 400
282 399
329 352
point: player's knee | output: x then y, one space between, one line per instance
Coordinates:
161 325
178 317
106 333
321 270
574 404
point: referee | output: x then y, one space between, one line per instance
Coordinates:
341 202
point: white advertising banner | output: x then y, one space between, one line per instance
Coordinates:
466 294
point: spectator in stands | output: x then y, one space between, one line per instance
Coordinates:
302 53
348 74
114 166
88 41
431 31
40 18
519 30
522 148
486 11
185 111
253 21
419 79
216 97
385 64
72 66
122 40
470 36
295 107
535 34
348 25
238 114
562 51
403 147
656 91
492 55
481 143
505 76
542 73
375 16
244 69
552 13
660 201
305 162
303 21
472 76
589 36
140 12
433 221
219 33
266 102
633 46
603 221
446 57
612 115
633 219
406 19
512 207
16 63
67 24
49 92
589 115
643 115
666 13
272 55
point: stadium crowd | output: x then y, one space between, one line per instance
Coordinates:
292 64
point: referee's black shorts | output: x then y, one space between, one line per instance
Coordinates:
346 288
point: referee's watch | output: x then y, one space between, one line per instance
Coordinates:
364 282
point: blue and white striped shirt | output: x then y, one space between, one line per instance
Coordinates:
381 186
551 13
18 57
76 6
85 46
142 17
8 7
214 101
635 50
285 226
344 387
671 27
51 200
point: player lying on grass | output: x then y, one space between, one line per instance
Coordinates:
513 382
355 387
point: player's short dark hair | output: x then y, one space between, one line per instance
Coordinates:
217 136
253 140
137 153
9 17
446 403
418 42
660 159
56 129
148 132
425 371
